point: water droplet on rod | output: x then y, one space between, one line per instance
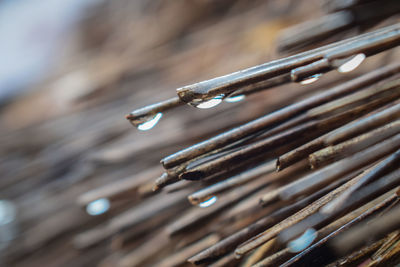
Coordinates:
311 79
208 202
301 243
234 99
150 123
98 206
210 103
352 64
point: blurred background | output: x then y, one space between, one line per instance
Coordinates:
71 70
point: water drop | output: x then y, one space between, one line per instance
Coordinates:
8 223
208 202
234 99
98 206
7 212
301 243
150 123
352 64
210 103
311 79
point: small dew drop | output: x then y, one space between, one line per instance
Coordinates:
235 99
311 79
8 223
98 206
208 202
352 64
210 103
7 212
150 123
301 243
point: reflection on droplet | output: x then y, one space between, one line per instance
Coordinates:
303 241
150 123
210 103
311 79
352 64
234 99
98 206
208 202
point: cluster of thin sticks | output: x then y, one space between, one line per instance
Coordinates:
342 16
297 185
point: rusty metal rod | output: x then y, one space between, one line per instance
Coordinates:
227 84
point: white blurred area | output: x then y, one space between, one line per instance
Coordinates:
33 34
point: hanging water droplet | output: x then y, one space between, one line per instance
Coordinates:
98 206
352 64
301 243
208 202
210 103
234 99
311 79
150 123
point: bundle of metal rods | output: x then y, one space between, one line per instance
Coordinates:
294 162
300 185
